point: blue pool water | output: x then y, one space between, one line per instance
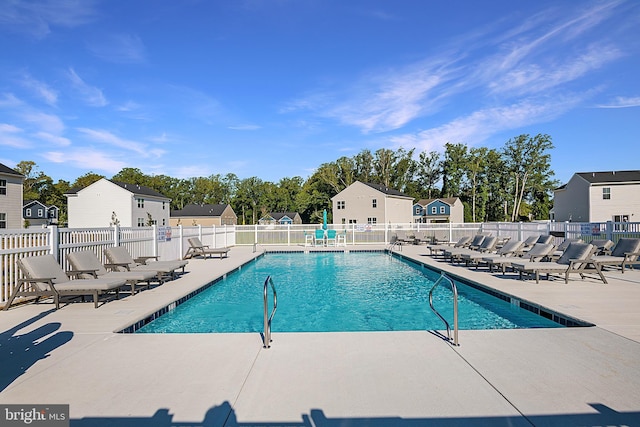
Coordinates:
335 291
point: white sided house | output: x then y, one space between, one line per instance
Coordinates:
365 203
11 183
106 203
598 197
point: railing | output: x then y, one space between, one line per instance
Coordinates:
393 245
455 308
266 338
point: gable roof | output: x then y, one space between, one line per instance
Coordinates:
8 171
610 176
132 188
200 210
448 200
386 190
279 215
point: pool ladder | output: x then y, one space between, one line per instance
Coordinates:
393 245
455 308
266 338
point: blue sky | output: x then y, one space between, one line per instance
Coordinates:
275 88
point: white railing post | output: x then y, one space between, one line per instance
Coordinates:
255 236
116 235
288 234
450 231
520 231
610 231
226 237
154 229
200 232
180 242
54 241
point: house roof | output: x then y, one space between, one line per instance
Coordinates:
279 215
133 188
8 171
610 176
448 200
386 190
200 210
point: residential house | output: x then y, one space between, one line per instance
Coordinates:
204 214
36 213
449 209
366 203
281 218
10 197
598 197
106 203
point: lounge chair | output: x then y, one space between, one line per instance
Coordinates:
625 252
603 246
530 241
487 246
308 239
575 259
561 248
536 253
319 237
45 277
120 260
86 264
331 237
510 248
196 248
440 248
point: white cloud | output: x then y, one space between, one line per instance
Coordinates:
92 95
53 139
10 136
10 100
622 102
46 122
35 18
41 89
106 137
245 127
86 159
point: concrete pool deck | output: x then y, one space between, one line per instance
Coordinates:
541 377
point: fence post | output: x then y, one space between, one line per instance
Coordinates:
288 234
116 235
54 242
180 242
450 231
610 231
226 237
215 236
255 237
154 228
200 232
520 231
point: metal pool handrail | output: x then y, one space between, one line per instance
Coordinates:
455 308
268 318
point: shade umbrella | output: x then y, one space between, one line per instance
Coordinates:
324 219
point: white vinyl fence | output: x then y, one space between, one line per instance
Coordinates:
171 242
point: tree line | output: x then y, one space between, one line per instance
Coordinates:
512 183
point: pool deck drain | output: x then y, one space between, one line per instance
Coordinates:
558 377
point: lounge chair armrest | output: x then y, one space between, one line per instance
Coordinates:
76 273
48 280
144 259
114 266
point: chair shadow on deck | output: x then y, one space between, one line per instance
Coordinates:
18 352
224 416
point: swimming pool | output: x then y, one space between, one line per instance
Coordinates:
337 291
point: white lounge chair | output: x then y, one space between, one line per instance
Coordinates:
45 277
196 248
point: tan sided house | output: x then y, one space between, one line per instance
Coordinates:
10 198
599 197
204 214
366 203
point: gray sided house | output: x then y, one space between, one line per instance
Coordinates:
204 215
598 197
38 214
281 218
366 203
439 210
106 203
10 198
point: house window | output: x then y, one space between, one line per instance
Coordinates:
606 193
141 203
164 221
434 210
340 204
442 210
40 213
353 221
163 205
3 186
372 220
3 220
374 203
28 212
140 222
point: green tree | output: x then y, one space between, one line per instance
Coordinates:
453 169
86 180
428 173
